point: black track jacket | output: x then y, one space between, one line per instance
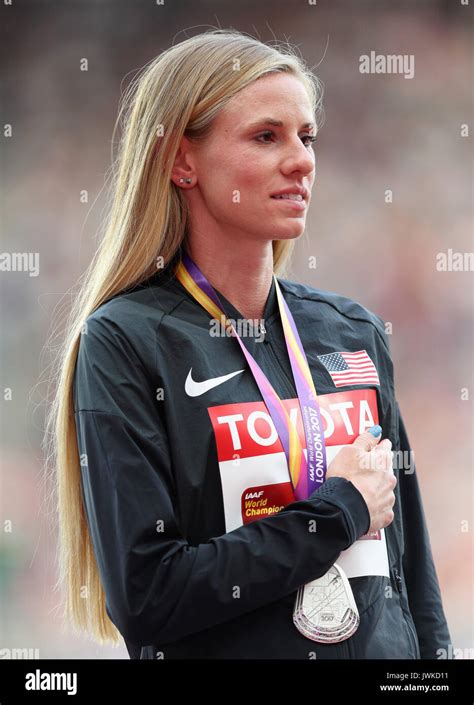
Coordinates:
199 541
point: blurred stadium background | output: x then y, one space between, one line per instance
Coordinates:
380 132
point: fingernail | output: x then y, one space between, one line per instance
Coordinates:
375 430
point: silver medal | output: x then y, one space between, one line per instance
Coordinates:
325 609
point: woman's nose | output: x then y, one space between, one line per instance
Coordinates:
300 159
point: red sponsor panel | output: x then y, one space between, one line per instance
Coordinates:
246 429
265 500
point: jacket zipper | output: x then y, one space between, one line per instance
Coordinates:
278 367
414 638
398 580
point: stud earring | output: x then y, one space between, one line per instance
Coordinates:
187 181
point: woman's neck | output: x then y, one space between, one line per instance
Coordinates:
243 274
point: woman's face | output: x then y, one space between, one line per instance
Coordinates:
246 160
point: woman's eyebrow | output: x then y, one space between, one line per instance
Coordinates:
276 123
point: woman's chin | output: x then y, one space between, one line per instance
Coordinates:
290 232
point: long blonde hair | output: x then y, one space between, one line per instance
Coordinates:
181 91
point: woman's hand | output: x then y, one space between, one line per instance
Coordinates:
368 465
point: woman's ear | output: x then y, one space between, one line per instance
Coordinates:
183 166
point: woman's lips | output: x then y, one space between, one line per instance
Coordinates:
296 205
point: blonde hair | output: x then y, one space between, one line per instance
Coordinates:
182 89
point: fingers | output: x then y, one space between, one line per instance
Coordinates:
389 516
367 440
379 458
382 460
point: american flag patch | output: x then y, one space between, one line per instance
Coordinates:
350 368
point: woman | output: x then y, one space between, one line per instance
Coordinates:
223 490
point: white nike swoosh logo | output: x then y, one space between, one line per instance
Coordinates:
195 389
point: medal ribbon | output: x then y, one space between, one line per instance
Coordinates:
307 474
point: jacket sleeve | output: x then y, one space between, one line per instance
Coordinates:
158 587
420 574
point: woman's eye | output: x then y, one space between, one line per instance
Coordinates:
264 134
310 138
